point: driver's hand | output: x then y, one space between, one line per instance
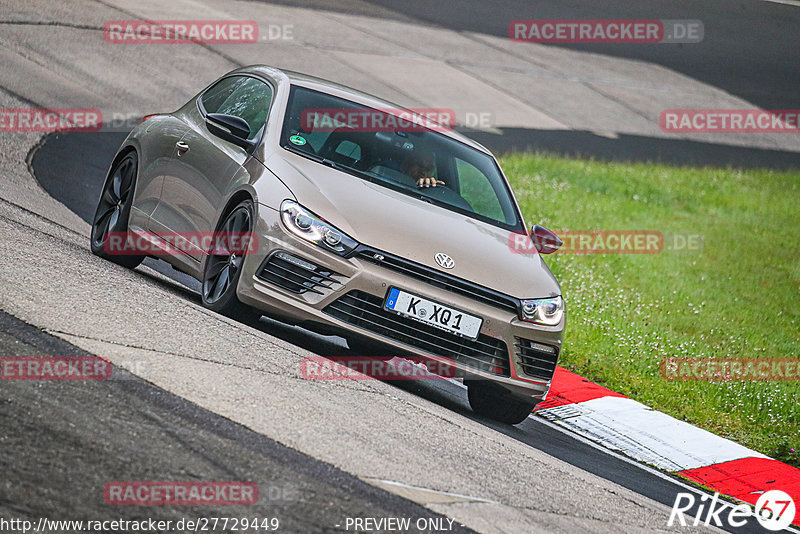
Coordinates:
429 182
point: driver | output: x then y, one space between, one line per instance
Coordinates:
420 166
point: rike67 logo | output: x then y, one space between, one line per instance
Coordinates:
774 510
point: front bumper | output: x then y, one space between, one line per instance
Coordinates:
344 283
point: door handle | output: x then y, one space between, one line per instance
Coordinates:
182 147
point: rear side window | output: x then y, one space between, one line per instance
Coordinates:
243 97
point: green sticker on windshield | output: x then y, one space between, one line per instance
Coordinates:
296 139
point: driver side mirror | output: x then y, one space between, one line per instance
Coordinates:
230 128
545 241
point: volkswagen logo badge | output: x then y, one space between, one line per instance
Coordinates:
444 260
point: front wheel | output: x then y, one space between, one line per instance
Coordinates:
224 264
113 211
494 402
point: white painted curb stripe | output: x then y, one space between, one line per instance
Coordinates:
646 435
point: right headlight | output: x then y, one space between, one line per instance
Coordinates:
304 224
548 312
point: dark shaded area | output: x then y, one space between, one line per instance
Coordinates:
750 48
635 148
72 169
62 441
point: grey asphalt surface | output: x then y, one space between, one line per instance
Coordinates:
750 48
82 154
62 441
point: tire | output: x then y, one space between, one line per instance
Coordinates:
114 210
223 268
495 403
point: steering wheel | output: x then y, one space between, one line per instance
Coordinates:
446 195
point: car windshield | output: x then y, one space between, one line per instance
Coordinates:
382 147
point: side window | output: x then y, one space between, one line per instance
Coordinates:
243 97
477 190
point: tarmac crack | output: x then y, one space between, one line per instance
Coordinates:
204 45
457 66
64 334
50 23
165 352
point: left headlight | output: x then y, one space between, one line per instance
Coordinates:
304 224
548 311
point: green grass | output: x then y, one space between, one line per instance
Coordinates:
738 297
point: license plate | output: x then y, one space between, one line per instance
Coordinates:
432 313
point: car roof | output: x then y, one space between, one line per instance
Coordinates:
348 93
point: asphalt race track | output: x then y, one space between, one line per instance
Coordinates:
195 396
635 148
86 431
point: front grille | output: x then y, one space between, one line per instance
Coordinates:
296 274
366 311
535 359
438 279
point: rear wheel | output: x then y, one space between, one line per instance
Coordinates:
224 265
114 210
496 403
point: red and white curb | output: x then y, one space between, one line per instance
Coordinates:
639 432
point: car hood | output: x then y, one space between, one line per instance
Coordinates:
404 226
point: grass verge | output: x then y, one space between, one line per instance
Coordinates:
737 297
